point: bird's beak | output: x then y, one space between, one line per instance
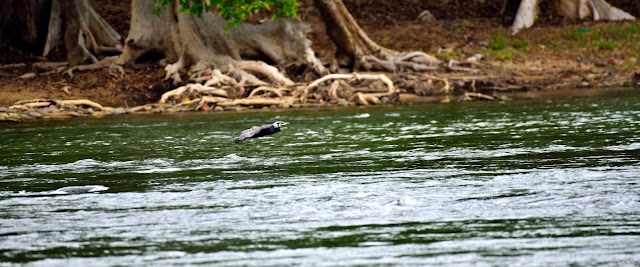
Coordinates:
285 123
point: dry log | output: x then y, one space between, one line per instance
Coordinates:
274 90
13 66
192 88
47 66
28 75
31 101
224 102
418 57
355 76
79 102
468 95
106 62
254 101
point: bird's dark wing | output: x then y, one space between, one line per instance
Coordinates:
266 129
248 133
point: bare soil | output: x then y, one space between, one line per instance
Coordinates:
554 50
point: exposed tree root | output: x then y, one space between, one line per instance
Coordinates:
217 91
106 62
95 35
40 103
273 90
577 9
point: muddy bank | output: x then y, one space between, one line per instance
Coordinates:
554 56
45 109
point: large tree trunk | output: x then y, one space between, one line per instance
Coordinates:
354 48
86 33
580 9
22 21
75 56
186 40
25 13
351 41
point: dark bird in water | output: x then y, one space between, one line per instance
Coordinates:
259 131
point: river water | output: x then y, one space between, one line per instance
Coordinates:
528 182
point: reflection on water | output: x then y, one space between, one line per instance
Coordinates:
519 183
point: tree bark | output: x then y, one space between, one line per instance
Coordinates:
186 40
580 9
596 9
25 12
526 15
92 34
352 43
355 49
71 30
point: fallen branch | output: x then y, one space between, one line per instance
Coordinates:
276 91
469 95
356 77
106 62
192 88
13 66
79 102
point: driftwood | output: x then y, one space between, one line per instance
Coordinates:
273 90
106 62
13 66
80 102
372 97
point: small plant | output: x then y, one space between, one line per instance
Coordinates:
519 44
447 57
498 43
505 54
617 32
576 35
607 45
634 28
499 40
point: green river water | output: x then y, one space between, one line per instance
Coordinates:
521 183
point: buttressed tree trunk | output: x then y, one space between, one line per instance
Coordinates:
186 40
22 21
355 48
86 33
580 9
351 41
75 56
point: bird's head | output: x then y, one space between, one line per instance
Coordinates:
279 124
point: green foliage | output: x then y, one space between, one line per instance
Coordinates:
575 35
520 44
607 45
616 32
605 38
234 11
505 54
498 42
634 28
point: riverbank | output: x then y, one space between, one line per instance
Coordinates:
554 56
43 109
